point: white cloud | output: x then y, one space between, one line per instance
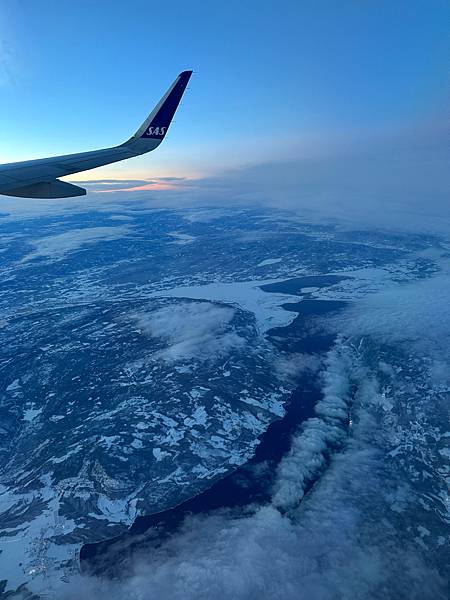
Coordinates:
415 313
192 330
290 366
342 541
246 294
58 246
310 448
324 548
395 182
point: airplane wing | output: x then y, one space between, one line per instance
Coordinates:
39 178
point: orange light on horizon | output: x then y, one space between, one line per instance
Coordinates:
163 185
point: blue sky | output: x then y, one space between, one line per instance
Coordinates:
272 79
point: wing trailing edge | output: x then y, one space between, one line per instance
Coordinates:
50 189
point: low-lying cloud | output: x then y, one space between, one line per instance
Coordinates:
347 538
322 547
57 246
394 182
191 330
397 183
415 314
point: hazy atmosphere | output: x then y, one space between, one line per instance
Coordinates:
225 369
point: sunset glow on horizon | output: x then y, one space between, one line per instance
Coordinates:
71 84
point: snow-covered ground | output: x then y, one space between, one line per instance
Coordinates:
136 369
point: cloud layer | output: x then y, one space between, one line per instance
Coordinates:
323 548
58 246
191 330
362 530
398 182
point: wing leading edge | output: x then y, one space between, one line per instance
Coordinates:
39 178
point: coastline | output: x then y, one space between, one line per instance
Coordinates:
250 484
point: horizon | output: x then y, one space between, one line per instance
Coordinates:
71 84
224 361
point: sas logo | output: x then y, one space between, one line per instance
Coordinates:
158 131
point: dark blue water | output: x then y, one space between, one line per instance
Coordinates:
250 484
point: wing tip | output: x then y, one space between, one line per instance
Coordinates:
157 123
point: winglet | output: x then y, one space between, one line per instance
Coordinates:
157 123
